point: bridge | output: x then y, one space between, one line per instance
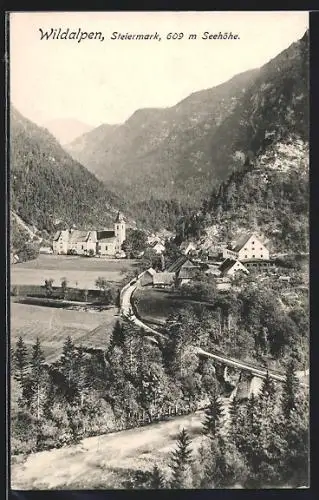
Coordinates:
243 366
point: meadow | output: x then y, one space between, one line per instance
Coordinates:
52 325
80 272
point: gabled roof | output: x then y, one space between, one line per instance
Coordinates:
77 236
187 273
227 265
155 243
56 236
241 242
150 271
173 268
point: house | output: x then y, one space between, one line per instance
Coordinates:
247 247
14 258
45 250
187 273
187 247
106 243
163 279
158 247
147 277
229 267
60 242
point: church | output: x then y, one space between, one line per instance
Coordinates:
104 243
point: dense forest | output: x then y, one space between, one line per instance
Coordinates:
87 392
48 187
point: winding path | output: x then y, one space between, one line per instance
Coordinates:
127 311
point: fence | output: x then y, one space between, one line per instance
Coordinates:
72 294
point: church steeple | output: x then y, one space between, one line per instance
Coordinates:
119 230
119 218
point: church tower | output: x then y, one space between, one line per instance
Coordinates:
119 230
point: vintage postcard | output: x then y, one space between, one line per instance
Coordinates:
159 248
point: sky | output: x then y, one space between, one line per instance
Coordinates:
105 81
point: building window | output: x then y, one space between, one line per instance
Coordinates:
105 247
253 256
82 247
261 256
245 256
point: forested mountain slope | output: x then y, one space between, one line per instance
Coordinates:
185 151
48 187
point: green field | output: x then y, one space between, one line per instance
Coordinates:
80 272
52 325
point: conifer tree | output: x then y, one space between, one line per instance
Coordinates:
67 366
37 378
290 390
181 459
157 479
20 361
213 416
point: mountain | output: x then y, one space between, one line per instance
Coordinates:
85 146
267 190
156 150
48 188
183 152
66 130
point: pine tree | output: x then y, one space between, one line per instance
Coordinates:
117 337
67 366
213 416
290 390
157 479
181 459
37 379
20 356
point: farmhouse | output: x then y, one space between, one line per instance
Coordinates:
103 243
158 247
164 279
247 247
147 277
229 267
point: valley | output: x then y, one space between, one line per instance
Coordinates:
159 312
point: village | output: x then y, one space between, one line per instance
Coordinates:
225 262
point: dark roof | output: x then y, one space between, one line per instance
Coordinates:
241 242
107 233
182 261
119 217
173 268
226 265
56 236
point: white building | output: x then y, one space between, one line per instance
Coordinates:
104 243
230 267
247 247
